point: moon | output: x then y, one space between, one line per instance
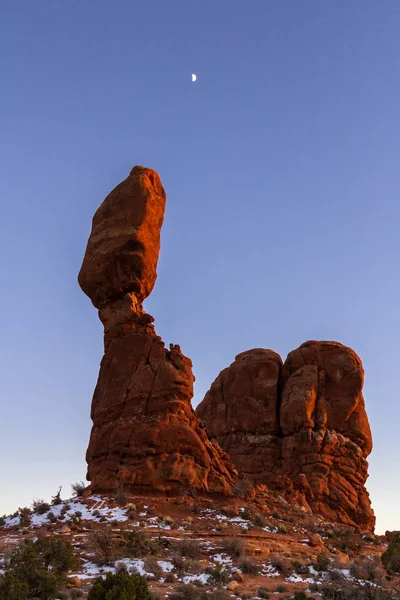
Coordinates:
194 77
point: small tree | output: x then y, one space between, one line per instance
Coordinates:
121 586
391 557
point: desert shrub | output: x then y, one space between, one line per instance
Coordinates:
277 562
222 526
322 563
281 588
78 488
241 488
189 549
336 576
366 569
169 578
391 557
259 520
76 517
282 529
51 517
345 539
75 593
300 596
218 594
121 493
24 517
56 499
121 586
12 588
38 569
102 546
135 543
40 507
179 564
188 592
249 566
246 513
151 565
276 515
218 573
365 592
262 592
300 567
234 547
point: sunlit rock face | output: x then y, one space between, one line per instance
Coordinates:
145 432
303 419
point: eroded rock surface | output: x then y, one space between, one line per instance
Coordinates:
304 420
145 432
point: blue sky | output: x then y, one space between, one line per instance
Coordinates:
281 166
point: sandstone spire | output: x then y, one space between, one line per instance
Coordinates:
145 432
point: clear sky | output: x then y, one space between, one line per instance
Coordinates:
281 166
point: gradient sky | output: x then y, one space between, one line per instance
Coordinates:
281 166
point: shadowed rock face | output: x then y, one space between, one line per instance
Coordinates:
145 432
307 423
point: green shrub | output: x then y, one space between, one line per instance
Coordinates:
281 588
24 517
78 488
188 592
262 592
135 544
12 588
391 557
300 596
218 573
40 507
56 499
322 563
121 586
39 567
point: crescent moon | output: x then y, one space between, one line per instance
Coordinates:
194 77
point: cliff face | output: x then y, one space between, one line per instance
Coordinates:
303 420
145 432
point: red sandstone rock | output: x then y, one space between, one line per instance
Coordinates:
145 431
312 434
122 251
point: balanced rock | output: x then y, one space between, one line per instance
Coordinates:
145 432
306 424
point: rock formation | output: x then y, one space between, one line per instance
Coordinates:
145 432
304 420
